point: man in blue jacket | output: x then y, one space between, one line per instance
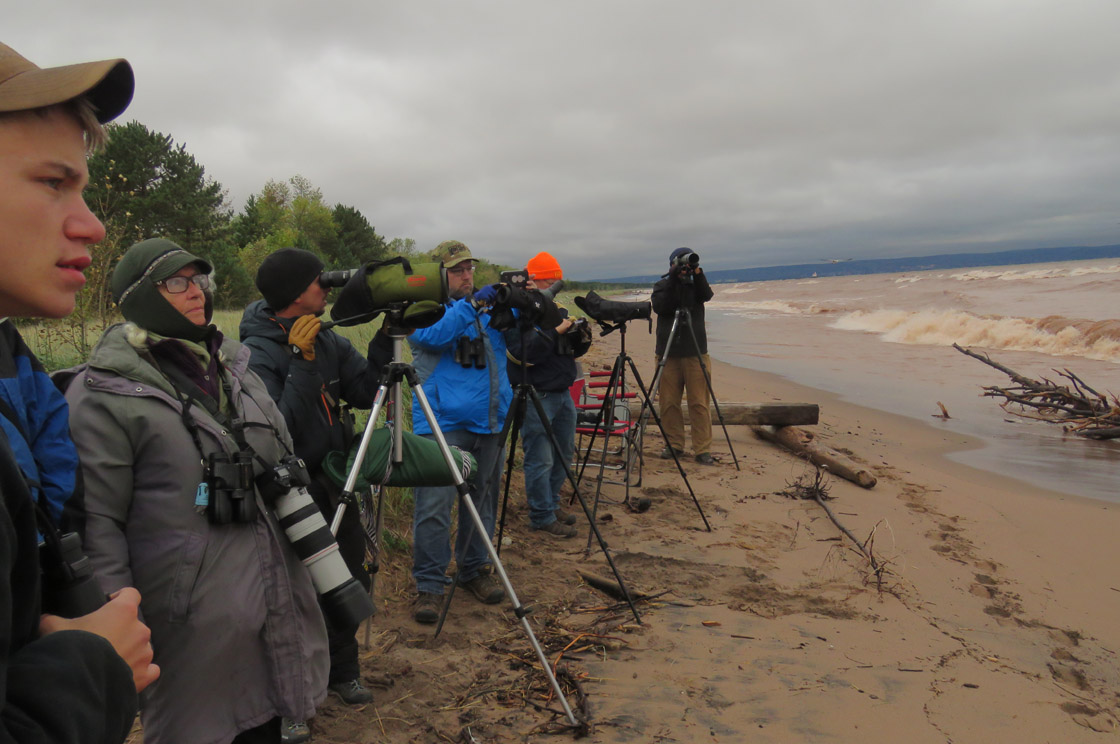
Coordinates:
309 373
61 680
461 364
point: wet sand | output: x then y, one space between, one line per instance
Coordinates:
995 619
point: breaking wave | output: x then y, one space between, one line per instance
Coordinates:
1011 275
1053 335
768 307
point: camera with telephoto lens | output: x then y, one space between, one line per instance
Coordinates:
69 589
685 266
343 599
231 494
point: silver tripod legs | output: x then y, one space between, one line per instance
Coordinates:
466 502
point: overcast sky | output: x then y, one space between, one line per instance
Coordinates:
609 133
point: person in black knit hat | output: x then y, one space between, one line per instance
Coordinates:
310 373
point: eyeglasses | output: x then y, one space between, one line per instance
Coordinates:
460 270
179 284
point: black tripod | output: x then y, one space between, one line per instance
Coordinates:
523 393
391 378
616 386
683 314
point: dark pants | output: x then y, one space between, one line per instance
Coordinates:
352 546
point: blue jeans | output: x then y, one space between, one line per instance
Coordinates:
544 471
431 516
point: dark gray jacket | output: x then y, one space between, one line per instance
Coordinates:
236 627
309 393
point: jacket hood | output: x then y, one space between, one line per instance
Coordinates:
260 320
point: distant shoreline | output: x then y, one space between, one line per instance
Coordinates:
855 267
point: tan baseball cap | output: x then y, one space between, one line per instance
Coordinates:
24 85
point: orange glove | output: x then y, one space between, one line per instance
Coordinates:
302 336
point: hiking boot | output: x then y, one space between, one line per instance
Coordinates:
485 589
352 692
560 530
294 732
705 459
565 517
667 453
426 608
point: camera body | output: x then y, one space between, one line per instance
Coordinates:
575 341
518 278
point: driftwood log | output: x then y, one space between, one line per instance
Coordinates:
1075 405
802 443
755 414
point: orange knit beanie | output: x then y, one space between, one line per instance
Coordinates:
544 266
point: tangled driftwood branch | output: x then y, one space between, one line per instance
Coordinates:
818 491
1075 405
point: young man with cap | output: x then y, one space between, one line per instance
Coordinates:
309 373
685 287
546 359
460 361
61 680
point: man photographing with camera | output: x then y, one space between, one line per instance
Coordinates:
680 295
546 359
61 680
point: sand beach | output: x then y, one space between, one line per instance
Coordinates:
995 619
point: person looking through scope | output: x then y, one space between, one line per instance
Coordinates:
69 678
546 359
681 294
177 437
460 363
310 373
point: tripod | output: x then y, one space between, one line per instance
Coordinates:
391 378
616 385
683 313
523 393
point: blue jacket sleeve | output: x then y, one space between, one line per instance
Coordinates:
460 316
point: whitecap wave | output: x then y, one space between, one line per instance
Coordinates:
1053 335
768 307
1014 275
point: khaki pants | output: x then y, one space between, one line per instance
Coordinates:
684 375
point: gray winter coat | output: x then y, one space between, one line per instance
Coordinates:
236 628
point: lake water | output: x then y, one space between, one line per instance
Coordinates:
885 341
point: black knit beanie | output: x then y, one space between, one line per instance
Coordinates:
285 274
134 289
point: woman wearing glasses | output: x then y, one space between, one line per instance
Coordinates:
171 424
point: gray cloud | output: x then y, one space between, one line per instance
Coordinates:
611 132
